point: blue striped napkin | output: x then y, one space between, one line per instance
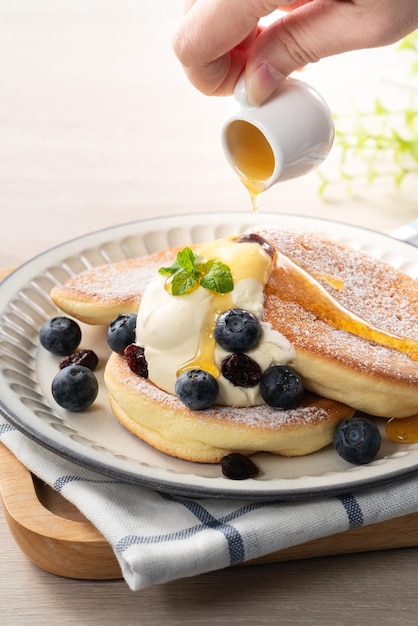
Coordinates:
158 537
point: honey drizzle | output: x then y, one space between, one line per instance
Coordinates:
255 188
252 156
204 357
294 284
335 282
403 430
243 264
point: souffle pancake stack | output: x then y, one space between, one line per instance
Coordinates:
262 342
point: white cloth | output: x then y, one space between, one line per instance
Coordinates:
158 537
408 233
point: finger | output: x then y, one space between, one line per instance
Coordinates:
212 41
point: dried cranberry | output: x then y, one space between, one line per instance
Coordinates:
135 357
238 467
87 358
241 370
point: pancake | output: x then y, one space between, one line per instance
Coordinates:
206 436
98 295
335 364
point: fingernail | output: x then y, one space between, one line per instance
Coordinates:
261 82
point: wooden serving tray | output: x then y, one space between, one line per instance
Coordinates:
57 537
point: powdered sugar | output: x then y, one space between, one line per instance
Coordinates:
381 295
372 288
118 281
261 416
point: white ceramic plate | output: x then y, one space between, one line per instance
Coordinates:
94 438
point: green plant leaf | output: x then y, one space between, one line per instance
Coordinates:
382 141
379 108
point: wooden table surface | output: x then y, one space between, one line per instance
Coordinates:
99 126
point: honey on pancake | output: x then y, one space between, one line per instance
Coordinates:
334 281
252 156
245 259
203 359
403 430
296 285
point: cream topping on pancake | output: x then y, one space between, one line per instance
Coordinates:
176 332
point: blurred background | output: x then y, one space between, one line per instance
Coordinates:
99 126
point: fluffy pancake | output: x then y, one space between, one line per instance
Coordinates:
338 364
333 363
98 295
206 436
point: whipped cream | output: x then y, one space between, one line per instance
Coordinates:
170 328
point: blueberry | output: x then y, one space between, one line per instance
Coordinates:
237 330
197 389
281 387
357 440
121 332
75 387
60 335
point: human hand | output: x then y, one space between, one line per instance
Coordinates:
219 39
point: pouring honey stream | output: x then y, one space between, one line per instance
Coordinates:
252 156
254 161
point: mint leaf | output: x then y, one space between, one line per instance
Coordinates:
217 277
186 258
183 283
188 272
169 271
